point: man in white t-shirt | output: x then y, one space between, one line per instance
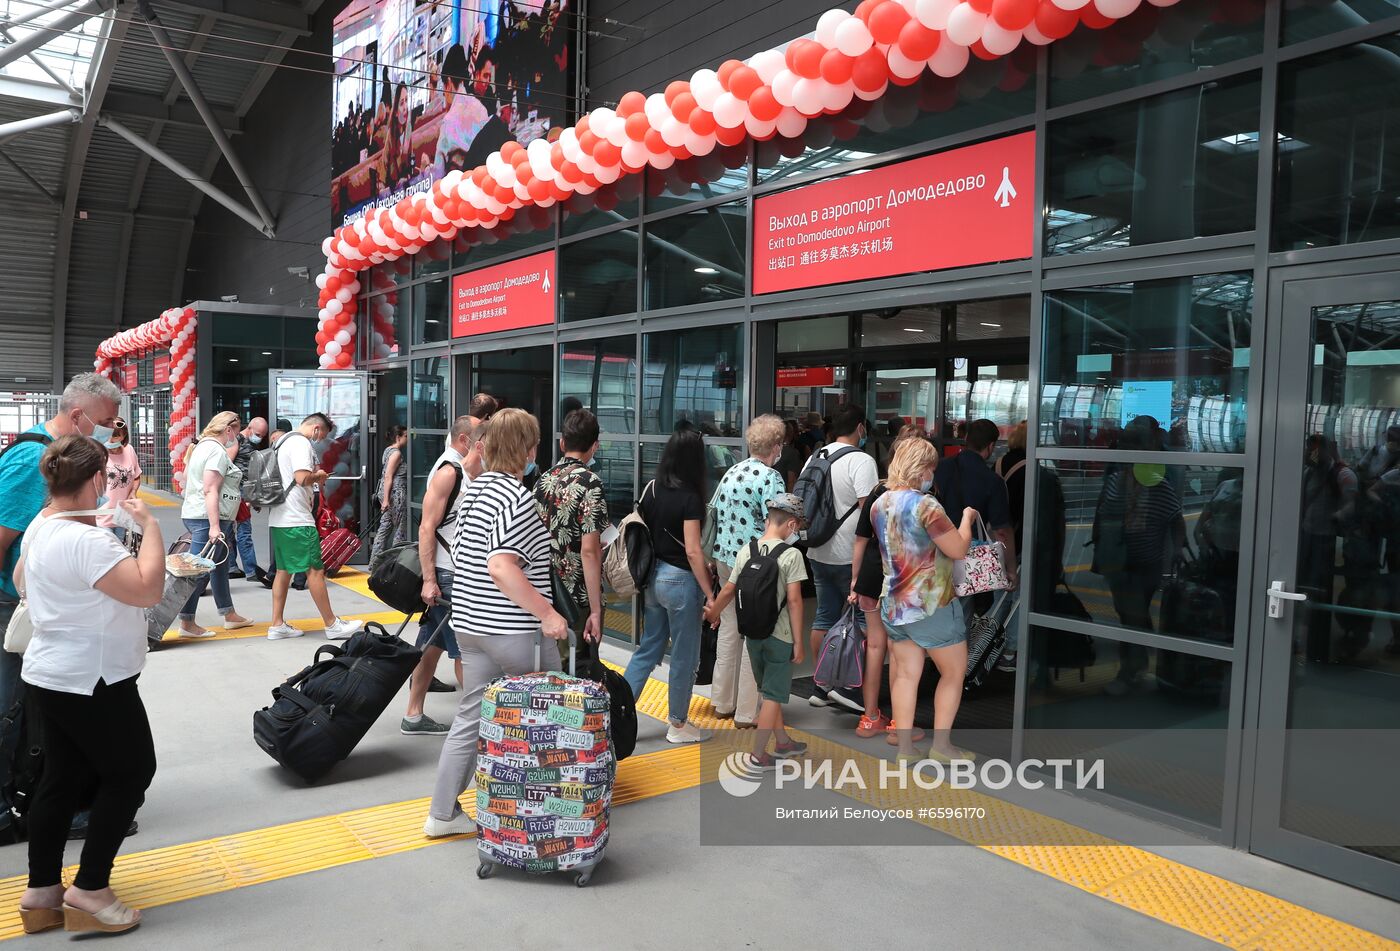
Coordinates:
451 473
296 545
853 477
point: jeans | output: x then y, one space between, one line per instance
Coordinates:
833 584
484 658
101 744
199 537
247 554
671 614
431 631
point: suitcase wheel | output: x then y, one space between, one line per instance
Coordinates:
581 879
485 869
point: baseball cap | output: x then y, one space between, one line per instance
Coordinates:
790 504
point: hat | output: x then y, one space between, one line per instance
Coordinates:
789 504
813 419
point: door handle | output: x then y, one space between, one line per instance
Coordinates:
1277 595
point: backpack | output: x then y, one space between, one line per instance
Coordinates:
23 438
760 595
262 483
628 561
814 489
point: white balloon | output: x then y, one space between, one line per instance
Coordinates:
872 94
783 85
965 25
769 63
616 131
705 87
607 174
673 131
901 65
1116 9
656 109
634 154
332 348
657 160
321 279
1070 4
826 27
700 145
730 110
852 38
325 361
759 128
599 118
334 306
998 40
342 338
808 96
949 60
1034 36
343 295
836 98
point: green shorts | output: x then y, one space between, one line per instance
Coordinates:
297 549
772 667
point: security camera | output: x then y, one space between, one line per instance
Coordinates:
301 272
229 298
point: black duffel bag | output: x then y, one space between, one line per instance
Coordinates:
397 579
318 716
623 715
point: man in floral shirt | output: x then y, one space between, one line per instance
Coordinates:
740 510
569 497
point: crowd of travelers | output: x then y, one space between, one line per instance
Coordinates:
508 552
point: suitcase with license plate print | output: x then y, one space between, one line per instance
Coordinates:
544 775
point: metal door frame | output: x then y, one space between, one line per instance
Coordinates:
1293 294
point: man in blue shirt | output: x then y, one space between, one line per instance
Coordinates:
966 481
89 406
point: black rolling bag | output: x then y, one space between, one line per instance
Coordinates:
318 716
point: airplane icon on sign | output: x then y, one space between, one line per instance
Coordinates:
546 282
1005 191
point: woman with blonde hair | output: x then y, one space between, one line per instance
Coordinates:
211 505
918 545
500 599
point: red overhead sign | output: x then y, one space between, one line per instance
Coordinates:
162 369
505 297
807 376
972 205
129 377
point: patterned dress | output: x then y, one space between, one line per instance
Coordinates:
393 521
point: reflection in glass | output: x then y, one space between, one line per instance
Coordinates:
430 403
1308 19
814 333
424 448
523 378
598 276
1179 165
697 258
1000 393
600 375
435 258
1138 50
1338 163
609 205
722 172
390 407
531 227
1005 318
1177 350
1139 545
719 456
900 326
932 108
432 314
894 399
1168 722
693 376
389 323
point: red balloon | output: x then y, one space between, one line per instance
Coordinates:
508 152
343 360
1093 19
871 70
978 50
764 106
1013 15
631 103
863 10
886 20
539 190
683 106
918 42
836 67
981 6
587 141
1054 23
637 126
744 81
730 136
726 72
804 57
702 122
606 154
675 89
655 144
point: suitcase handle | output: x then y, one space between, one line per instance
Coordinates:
288 692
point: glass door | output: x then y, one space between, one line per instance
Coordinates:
343 395
1328 609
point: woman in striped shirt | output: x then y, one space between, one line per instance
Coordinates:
500 598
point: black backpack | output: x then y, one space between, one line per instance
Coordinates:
813 487
760 596
22 753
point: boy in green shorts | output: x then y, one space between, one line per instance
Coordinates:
773 656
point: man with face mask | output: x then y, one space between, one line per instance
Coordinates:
89 406
250 440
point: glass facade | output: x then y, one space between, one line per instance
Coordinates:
244 347
1186 159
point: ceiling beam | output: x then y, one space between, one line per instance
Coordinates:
25 174
139 105
38 37
264 13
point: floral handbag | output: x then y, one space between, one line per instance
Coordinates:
984 567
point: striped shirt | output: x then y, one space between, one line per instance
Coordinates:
496 516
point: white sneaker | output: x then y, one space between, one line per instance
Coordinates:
460 824
687 732
341 629
278 632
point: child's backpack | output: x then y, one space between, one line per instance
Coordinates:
760 595
628 561
813 487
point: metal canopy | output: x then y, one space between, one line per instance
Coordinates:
111 126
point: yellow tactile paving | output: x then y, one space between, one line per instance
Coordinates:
390 619
196 869
156 500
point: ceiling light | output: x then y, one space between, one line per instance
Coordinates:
232 359
706 270
430 320
267 353
987 324
913 330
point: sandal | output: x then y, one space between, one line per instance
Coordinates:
39 920
113 919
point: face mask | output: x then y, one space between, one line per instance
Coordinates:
101 502
532 468
861 444
926 484
114 444
794 538
102 434
255 440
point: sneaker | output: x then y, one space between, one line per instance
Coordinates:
867 727
847 698
763 762
236 576
422 725
341 629
279 631
1006 663
437 686
687 732
819 697
792 750
460 824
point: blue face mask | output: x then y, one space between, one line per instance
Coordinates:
114 444
532 468
861 444
102 501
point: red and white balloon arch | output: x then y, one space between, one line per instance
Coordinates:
174 330
774 93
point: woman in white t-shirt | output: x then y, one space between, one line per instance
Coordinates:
209 511
85 594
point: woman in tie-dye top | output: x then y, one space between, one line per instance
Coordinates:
918 544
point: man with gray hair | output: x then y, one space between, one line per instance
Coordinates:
89 406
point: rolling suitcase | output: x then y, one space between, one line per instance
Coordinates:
544 775
338 548
318 716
